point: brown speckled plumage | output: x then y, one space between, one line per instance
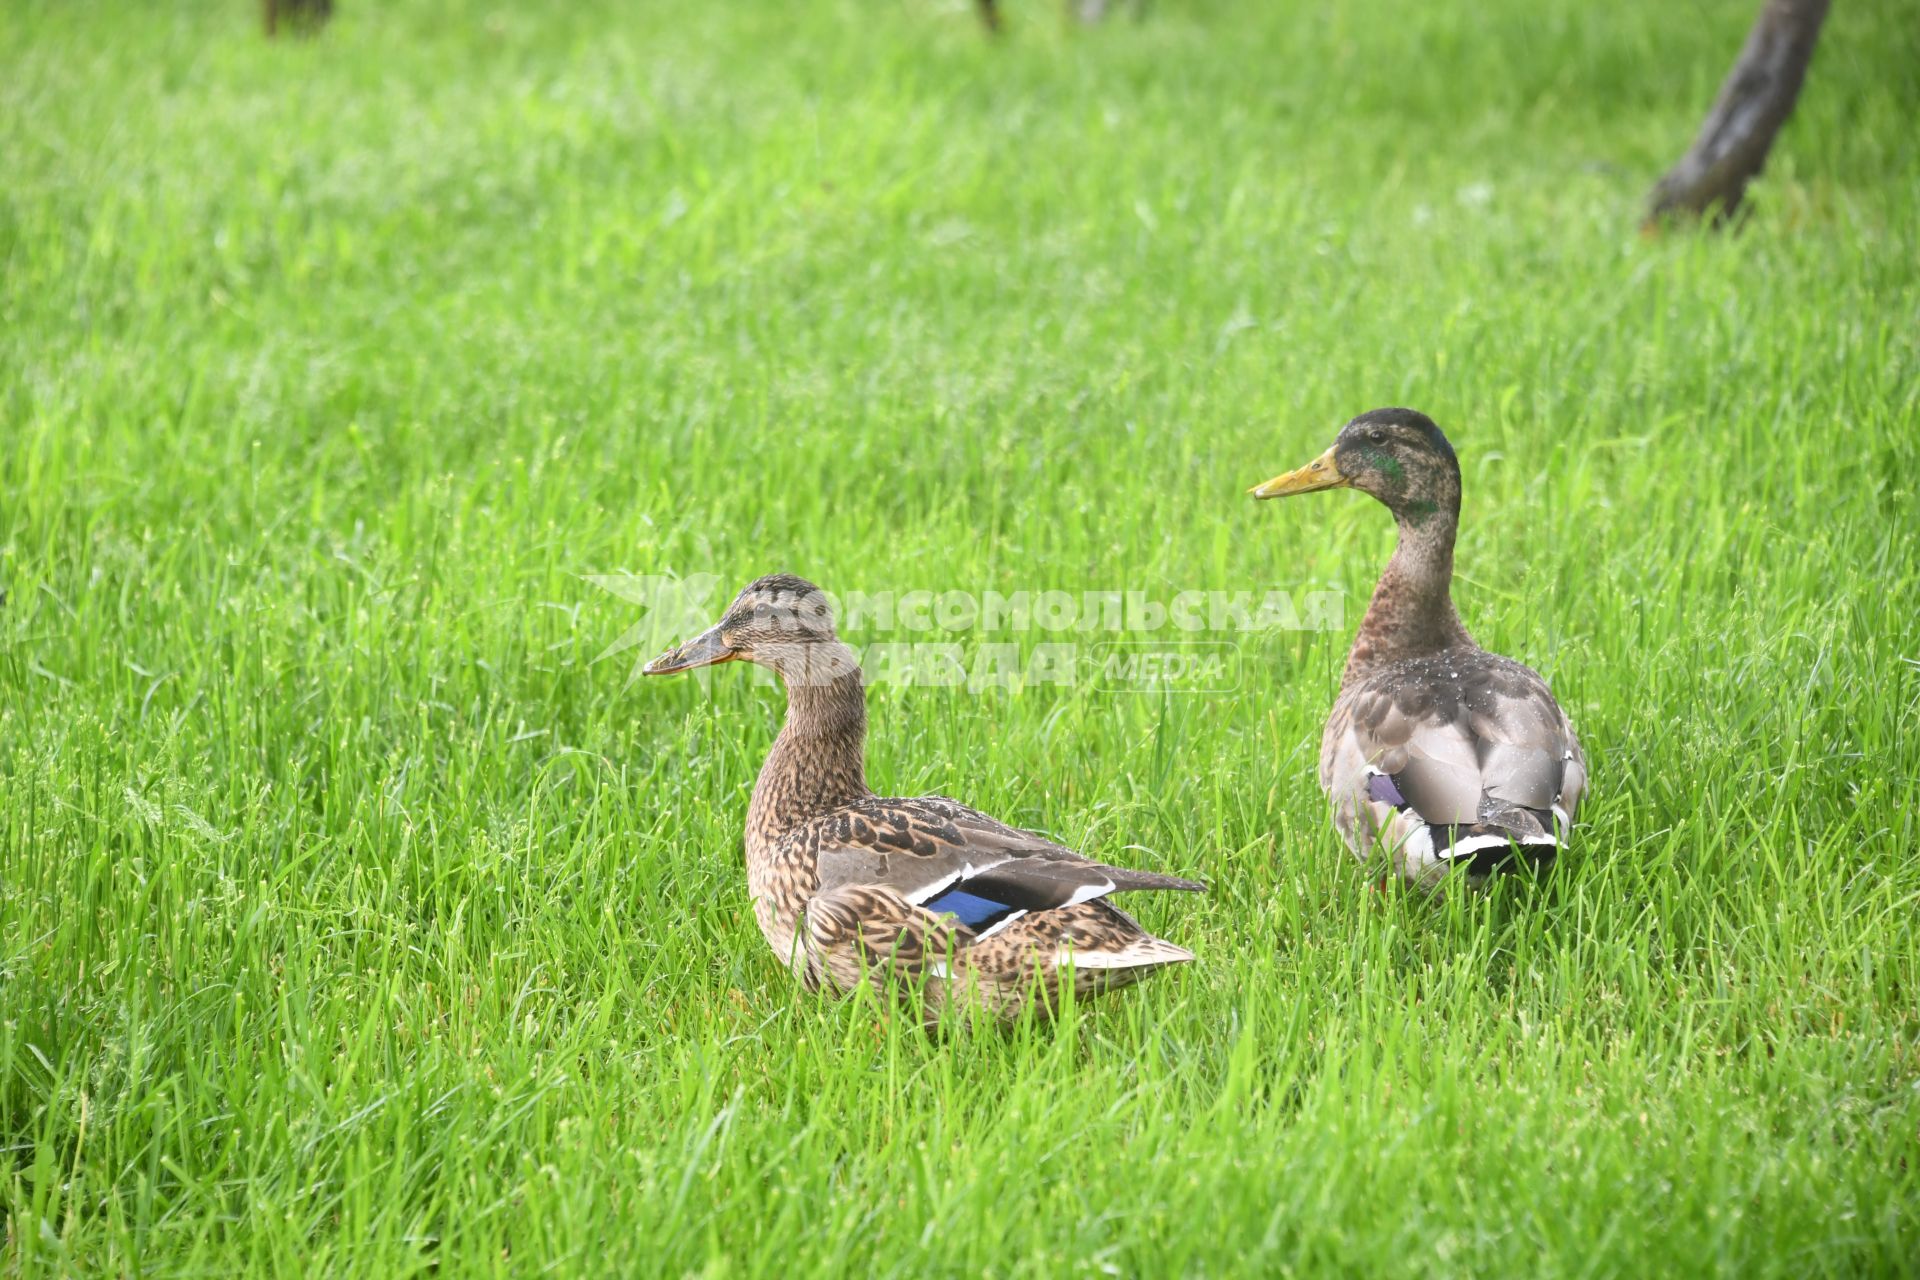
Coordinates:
1446 755
850 888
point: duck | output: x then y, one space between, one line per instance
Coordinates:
917 895
1454 760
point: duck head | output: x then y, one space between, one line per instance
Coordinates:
1397 455
781 622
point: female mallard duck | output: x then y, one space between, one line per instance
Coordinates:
1446 753
848 886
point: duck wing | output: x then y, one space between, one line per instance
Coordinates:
1457 755
952 860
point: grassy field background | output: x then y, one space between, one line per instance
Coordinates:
352 918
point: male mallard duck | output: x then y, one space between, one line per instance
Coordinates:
1447 753
847 885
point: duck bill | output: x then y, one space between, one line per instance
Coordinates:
704 650
1322 473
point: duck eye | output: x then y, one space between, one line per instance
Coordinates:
1377 435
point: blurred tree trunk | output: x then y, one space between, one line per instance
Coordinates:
1755 101
1097 10
1088 11
302 17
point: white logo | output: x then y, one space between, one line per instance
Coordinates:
676 610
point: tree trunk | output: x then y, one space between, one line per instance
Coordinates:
1091 11
1755 101
301 17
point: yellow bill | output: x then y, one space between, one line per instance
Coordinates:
1322 473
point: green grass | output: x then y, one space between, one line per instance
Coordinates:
352 918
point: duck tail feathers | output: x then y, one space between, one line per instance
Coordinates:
1125 881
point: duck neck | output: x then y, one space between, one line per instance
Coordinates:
818 763
1412 614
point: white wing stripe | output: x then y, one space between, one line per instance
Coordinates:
1473 844
933 890
998 926
927 892
1088 892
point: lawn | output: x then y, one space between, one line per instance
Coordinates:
354 918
